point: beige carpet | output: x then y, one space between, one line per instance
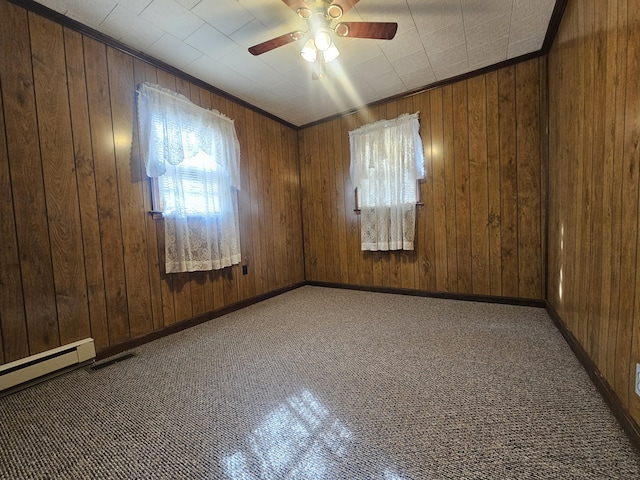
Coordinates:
328 384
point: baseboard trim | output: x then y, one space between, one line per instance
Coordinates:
526 302
628 424
191 322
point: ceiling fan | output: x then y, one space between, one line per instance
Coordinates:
319 15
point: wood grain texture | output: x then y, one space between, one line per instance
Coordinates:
86 185
15 343
468 230
109 211
27 183
80 255
594 189
130 191
61 193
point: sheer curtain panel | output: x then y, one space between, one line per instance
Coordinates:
193 158
387 160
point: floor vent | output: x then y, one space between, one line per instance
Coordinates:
36 368
113 361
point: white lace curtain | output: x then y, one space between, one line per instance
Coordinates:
192 154
387 160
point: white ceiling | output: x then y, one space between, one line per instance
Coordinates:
208 39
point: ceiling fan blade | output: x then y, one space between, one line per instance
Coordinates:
377 30
295 4
346 5
263 47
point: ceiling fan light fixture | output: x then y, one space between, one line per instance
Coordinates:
330 53
304 12
309 51
341 29
322 39
334 11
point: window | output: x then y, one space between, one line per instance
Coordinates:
192 157
387 160
200 198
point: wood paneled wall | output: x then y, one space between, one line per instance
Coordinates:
594 242
482 227
79 254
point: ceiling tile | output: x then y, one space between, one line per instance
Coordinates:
219 75
450 56
451 71
385 81
488 54
271 14
403 44
476 12
59 6
418 78
226 15
411 63
484 33
188 4
90 12
527 8
436 39
172 17
171 50
529 27
386 11
442 39
251 34
131 29
378 64
135 6
211 42
524 46
433 15
242 62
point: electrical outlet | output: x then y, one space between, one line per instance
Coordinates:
637 379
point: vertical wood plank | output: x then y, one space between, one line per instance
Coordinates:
439 190
478 185
122 88
106 189
318 262
508 182
630 215
263 204
450 187
276 214
29 205
268 200
15 344
528 168
632 150
463 211
494 184
86 185
61 192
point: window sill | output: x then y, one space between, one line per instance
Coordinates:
358 211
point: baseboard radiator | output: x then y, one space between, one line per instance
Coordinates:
36 368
